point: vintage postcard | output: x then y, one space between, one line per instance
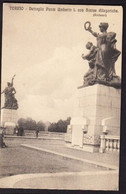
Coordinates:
60 96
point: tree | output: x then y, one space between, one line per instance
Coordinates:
40 125
60 126
31 124
22 123
52 127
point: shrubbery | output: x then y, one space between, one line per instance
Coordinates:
60 126
30 124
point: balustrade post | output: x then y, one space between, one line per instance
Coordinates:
110 145
118 146
102 144
115 145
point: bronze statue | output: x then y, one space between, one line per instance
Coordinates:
9 92
104 57
89 77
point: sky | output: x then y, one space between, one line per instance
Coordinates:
43 49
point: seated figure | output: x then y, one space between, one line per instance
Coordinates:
89 77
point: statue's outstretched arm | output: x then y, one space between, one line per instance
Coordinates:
86 57
90 55
93 33
83 56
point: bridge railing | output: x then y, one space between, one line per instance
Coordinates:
109 143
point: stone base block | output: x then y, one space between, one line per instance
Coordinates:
9 130
98 109
9 115
87 148
9 118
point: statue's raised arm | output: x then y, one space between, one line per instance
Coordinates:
12 80
87 26
104 57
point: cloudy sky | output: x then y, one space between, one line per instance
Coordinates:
43 49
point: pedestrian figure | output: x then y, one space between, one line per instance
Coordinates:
37 132
21 131
16 130
2 143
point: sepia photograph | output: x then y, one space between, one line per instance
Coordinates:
61 83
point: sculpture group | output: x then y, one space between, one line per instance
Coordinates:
9 92
102 58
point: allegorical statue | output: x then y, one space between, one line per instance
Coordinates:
9 92
89 77
102 58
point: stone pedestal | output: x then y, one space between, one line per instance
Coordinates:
99 107
9 118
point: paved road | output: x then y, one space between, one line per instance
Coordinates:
59 146
19 160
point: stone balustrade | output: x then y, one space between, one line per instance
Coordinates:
109 143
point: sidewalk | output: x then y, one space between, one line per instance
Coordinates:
111 158
57 144
33 137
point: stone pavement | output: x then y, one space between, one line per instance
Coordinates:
59 146
72 157
103 180
88 180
